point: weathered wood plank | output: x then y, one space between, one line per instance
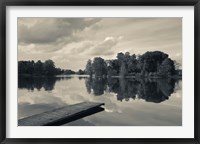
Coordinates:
56 115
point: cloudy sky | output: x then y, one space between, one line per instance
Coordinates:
70 42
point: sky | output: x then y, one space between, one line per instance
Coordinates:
70 42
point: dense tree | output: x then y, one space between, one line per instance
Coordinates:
68 72
123 69
112 72
26 67
99 67
123 60
154 63
49 68
113 67
39 68
150 61
88 68
132 64
80 72
128 63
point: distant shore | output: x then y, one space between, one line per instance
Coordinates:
126 77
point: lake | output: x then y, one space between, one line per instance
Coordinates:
128 102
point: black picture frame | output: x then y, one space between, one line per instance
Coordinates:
5 3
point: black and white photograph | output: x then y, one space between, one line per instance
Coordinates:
99 71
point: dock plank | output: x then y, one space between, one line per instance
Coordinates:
56 115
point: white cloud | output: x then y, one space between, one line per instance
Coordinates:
51 31
72 41
106 47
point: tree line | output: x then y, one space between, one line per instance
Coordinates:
46 68
150 64
38 68
154 64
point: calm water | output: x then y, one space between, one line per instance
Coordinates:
128 102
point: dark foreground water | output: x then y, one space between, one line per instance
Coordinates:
128 102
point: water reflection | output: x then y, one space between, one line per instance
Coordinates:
32 83
151 90
156 90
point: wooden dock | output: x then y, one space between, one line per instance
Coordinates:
62 115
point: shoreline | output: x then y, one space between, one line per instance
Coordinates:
125 77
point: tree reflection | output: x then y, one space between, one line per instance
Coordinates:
98 85
156 90
32 83
151 90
